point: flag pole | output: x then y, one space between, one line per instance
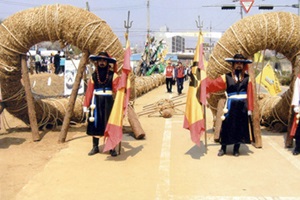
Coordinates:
127 25
199 26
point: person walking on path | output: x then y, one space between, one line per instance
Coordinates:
99 99
180 75
295 131
38 62
170 76
239 105
57 62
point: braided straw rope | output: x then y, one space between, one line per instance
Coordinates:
279 31
65 23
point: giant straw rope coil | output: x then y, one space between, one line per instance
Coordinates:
279 31
65 23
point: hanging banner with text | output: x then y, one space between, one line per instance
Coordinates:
71 67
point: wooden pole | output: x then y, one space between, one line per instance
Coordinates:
2 126
30 102
70 108
255 114
137 129
218 121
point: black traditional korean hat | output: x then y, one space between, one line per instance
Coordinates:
103 55
238 58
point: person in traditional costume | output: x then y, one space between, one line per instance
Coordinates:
295 130
239 104
99 98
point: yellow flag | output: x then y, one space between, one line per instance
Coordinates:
268 79
258 57
194 118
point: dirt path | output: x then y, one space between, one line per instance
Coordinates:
165 165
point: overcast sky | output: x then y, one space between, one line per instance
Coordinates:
177 15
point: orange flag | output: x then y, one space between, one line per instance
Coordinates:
113 132
194 112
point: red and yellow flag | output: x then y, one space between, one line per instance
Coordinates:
194 112
113 132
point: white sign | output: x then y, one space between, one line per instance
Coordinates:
247 4
71 67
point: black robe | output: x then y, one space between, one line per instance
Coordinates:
235 127
104 104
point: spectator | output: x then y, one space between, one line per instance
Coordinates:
38 61
57 62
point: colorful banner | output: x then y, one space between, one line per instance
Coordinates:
194 119
268 79
114 132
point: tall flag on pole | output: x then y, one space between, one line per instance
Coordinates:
194 112
113 132
268 79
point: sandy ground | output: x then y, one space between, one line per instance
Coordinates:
164 165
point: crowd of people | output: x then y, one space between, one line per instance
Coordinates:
176 75
55 63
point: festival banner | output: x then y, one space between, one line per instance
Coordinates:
71 67
113 132
194 112
268 79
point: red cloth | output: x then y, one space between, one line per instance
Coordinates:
88 94
250 96
294 126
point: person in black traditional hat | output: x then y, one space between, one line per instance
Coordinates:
99 98
239 104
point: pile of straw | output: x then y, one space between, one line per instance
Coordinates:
279 31
147 83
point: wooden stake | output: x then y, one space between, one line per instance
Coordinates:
70 108
30 102
255 114
135 124
218 120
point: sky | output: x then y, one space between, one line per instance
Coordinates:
177 15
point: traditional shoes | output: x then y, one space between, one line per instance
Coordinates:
113 152
296 152
236 153
94 151
221 152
